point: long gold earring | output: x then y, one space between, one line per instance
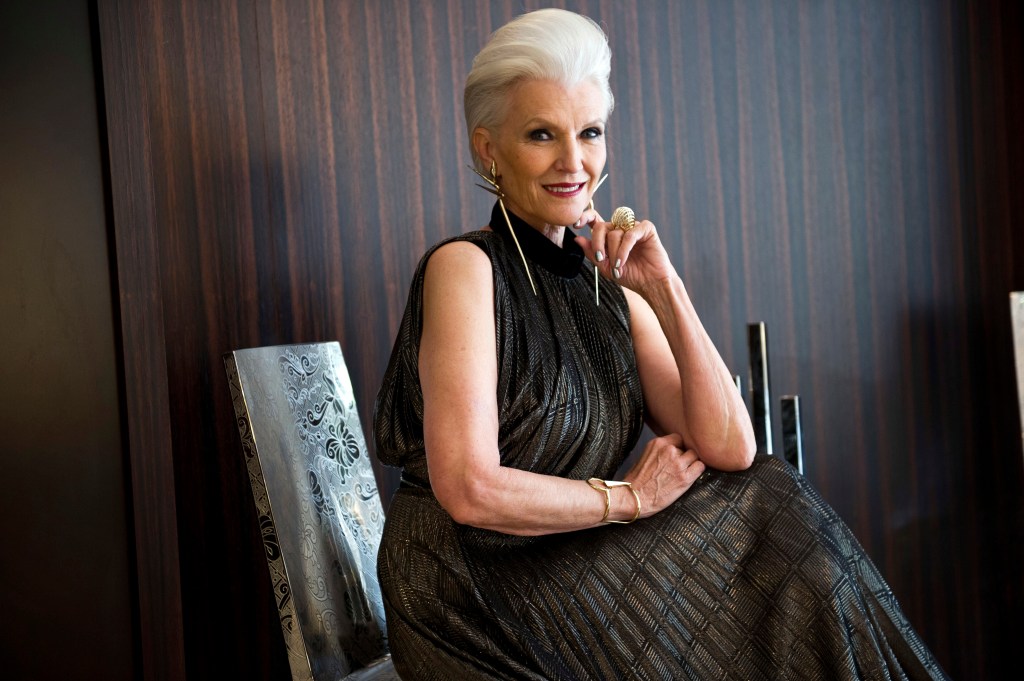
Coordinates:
597 291
496 190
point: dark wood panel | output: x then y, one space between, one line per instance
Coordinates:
840 170
143 337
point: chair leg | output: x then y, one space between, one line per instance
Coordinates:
792 434
760 393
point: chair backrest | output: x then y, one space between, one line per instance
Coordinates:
317 501
1017 322
761 404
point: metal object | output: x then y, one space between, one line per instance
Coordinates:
1017 321
623 218
792 432
319 511
760 393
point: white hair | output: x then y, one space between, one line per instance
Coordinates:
548 44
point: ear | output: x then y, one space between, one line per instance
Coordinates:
483 145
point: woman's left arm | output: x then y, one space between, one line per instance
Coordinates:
687 387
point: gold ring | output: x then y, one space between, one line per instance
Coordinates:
623 219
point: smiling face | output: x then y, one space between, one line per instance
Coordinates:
549 150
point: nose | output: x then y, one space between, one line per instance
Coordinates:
570 158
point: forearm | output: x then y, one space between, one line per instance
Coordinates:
717 425
524 503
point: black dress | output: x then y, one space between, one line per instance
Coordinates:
749 575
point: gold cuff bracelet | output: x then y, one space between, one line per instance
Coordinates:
606 487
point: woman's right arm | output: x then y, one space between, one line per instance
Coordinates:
459 374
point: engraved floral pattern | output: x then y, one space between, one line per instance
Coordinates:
299 425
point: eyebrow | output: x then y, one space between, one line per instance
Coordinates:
538 121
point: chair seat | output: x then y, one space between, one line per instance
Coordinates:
378 671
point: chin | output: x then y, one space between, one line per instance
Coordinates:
564 217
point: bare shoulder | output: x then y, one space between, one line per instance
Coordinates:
458 289
459 262
458 320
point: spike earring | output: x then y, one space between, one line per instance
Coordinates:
496 190
597 294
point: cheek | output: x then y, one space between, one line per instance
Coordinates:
598 157
527 166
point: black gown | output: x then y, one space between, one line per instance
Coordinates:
749 575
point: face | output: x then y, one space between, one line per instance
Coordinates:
549 151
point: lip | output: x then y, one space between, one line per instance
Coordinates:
565 190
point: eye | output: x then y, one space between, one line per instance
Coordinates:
540 135
591 133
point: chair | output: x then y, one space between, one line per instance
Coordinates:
1017 323
318 507
760 402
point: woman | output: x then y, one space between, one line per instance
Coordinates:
517 386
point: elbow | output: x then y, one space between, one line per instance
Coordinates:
462 511
744 449
730 461
735 454
745 454
465 499
742 446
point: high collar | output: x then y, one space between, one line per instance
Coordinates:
563 261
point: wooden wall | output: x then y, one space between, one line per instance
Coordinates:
838 169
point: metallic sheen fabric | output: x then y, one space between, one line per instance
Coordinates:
748 576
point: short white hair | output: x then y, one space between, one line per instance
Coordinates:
548 44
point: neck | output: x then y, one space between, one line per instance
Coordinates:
553 232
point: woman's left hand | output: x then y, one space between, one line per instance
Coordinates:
635 259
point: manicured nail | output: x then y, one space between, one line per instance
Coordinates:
615 271
618 263
599 256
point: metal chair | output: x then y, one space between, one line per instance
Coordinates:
1017 323
760 402
318 507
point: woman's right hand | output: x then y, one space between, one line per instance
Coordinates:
663 473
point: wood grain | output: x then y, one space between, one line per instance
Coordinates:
143 349
839 170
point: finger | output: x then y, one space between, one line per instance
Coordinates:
591 253
693 471
588 217
602 239
642 230
674 439
598 237
670 446
617 252
588 248
690 457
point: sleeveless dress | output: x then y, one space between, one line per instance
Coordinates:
749 575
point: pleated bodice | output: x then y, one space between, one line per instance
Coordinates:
568 390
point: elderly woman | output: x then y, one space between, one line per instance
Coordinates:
518 386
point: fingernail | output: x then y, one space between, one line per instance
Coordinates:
615 271
599 256
578 223
618 263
